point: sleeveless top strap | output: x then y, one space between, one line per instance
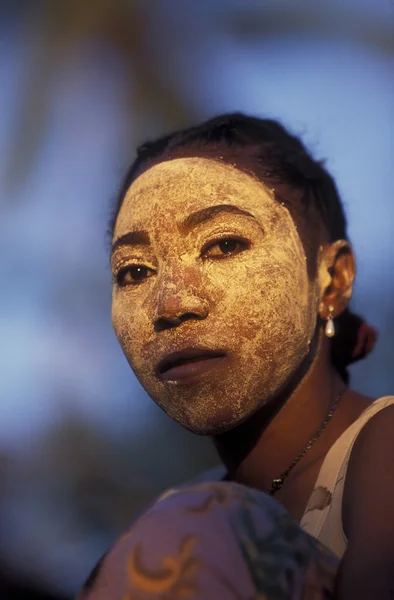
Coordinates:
323 515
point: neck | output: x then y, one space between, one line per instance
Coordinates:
261 448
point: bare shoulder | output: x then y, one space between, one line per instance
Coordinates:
366 571
369 486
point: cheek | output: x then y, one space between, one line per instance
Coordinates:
285 294
131 325
268 299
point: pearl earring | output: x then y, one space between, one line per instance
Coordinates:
330 327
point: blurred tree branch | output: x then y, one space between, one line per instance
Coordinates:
56 30
304 18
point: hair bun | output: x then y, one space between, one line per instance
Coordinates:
366 339
354 340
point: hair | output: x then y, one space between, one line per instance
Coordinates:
266 150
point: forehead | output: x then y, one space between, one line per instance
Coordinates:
173 189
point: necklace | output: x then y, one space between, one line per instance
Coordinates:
278 483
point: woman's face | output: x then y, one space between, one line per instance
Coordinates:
211 300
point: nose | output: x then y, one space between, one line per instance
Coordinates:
176 303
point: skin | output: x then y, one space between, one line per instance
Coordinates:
256 303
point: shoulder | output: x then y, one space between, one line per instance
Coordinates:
369 481
152 558
205 541
366 570
138 562
368 499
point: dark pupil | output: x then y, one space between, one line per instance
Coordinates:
138 273
228 246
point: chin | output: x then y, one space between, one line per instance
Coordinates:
211 425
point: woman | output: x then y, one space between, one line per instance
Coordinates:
232 281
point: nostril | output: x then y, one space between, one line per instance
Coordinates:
189 316
163 323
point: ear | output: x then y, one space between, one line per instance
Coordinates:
337 271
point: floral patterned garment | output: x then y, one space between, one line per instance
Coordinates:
214 541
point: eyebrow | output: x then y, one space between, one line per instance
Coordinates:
141 238
206 214
132 238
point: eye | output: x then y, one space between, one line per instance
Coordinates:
225 247
132 275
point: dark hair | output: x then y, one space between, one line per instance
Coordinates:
264 148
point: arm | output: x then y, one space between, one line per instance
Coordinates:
367 568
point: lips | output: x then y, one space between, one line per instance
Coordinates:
188 364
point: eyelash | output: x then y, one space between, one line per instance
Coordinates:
122 272
244 245
221 240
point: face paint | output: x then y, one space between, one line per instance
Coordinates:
248 297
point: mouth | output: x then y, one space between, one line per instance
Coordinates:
188 364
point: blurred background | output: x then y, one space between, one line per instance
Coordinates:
82 83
